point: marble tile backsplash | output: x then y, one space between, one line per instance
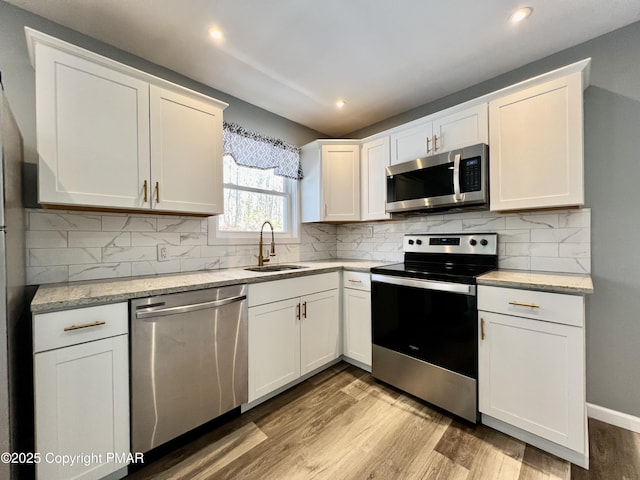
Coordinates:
66 246
555 241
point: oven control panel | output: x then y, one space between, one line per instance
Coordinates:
466 243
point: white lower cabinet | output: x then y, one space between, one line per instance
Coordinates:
356 304
274 346
294 328
319 330
531 372
81 392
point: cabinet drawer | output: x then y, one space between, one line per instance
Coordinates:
357 280
71 327
551 307
268 292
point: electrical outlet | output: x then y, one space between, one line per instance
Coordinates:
369 231
163 254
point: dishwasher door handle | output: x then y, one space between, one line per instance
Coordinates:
161 312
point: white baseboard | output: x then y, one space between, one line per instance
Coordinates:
613 417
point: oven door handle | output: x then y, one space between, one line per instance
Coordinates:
461 288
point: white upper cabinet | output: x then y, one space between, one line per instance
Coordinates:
375 157
410 143
331 183
186 153
112 137
92 132
441 132
460 129
536 146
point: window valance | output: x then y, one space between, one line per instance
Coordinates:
251 149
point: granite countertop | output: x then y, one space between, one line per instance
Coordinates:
64 296
575 284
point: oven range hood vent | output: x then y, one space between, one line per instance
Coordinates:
427 211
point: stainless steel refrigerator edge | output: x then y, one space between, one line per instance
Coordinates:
12 271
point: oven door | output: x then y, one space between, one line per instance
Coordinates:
432 321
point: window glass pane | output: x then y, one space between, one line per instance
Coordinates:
251 177
247 211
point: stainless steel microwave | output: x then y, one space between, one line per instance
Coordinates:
455 179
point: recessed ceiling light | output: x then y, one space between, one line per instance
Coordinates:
215 33
340 103
520 14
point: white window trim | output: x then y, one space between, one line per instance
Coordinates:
216 237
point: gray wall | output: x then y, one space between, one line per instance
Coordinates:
612 184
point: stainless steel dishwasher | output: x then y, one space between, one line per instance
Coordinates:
188 361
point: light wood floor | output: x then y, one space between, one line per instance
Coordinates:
342 424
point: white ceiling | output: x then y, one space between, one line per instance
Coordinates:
296 58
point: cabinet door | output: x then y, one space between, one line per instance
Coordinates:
373 185
92 133
531 375
536 138
82 405
411 143
274 346
341 182
186 153
357 325
461 129
320 330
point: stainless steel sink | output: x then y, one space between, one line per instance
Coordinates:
274 268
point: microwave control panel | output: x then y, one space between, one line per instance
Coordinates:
470 175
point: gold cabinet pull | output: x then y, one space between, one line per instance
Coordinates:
355 281
304 310
84 325
428 148
482 328
157 192
298 312
146 196
520 304
435 143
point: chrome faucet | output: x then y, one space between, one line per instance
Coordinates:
272 252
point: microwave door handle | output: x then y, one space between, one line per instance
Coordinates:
456 177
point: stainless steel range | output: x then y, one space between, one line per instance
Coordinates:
424 318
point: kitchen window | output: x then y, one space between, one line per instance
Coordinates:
260 177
